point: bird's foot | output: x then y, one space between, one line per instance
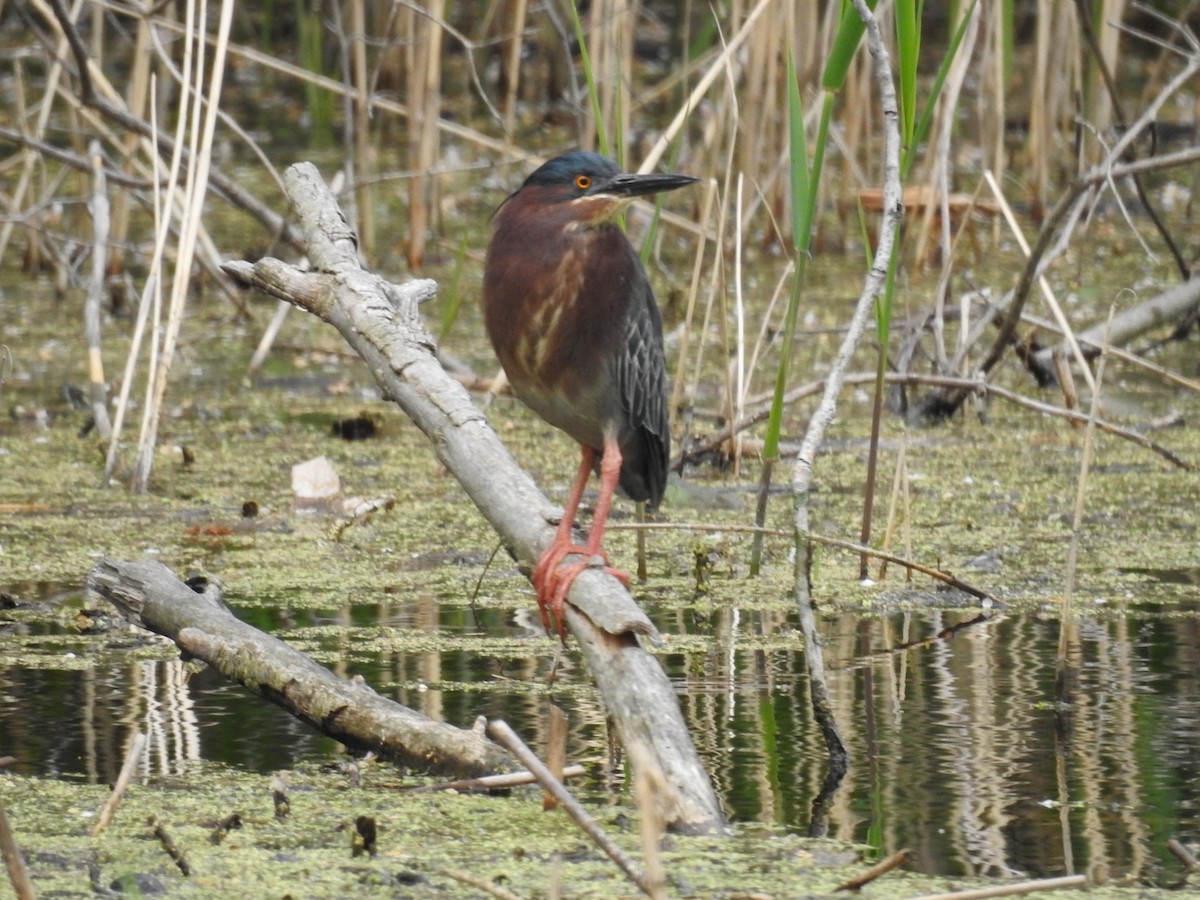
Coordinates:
553 580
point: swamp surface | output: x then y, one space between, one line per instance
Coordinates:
959 748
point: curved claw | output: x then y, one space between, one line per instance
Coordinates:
545 582
553 581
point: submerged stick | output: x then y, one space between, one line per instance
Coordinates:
118 792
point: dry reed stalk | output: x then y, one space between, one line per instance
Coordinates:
425 97
857 101
649 785
136 97
209 257
1047 294
714 71
1040 143
556 752
592 130
101 228
513 47
626 15
766 331
1099 111
939 161
712 291
899 492
202 125
990 105
133 757
685 331
364 147
1085 462
763 123
31 159
151 297
735 391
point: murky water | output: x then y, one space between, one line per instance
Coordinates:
959 749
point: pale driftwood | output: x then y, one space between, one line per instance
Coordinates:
380 321
1165 309
150 595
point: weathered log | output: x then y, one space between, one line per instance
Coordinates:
150 595
1168 307
380 321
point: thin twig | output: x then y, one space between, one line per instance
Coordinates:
1089 440
1011 890
18 874
488 887
965 385
1182 854
491 782
506 737
852 546
937 574
899 858
1076 416
132 758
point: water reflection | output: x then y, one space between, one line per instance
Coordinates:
958 748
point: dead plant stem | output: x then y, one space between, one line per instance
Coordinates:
18 873
506 737
132 758
1013 890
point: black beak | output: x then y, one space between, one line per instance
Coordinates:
630 185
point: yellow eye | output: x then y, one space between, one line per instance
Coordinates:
583 182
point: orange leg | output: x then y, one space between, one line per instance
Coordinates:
552 584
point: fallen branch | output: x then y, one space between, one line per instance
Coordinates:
1161 310
150 595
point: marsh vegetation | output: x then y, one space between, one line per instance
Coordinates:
990 536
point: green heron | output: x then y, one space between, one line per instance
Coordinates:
570 312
